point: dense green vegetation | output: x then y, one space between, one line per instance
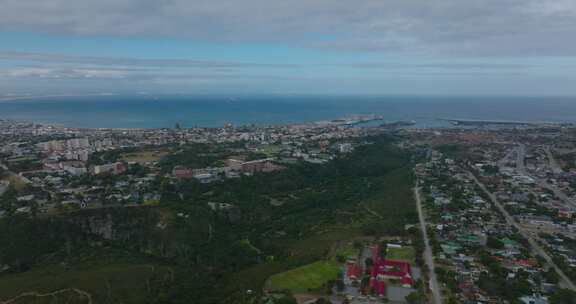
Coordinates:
215 256
196 156
25 164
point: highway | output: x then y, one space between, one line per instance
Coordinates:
564 280
428 256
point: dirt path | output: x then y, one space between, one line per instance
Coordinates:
82 293
376 214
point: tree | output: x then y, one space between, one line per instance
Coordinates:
563 296
288 299
340 285
414 298
369 262
551 276
494 243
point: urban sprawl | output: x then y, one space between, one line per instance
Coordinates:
496 204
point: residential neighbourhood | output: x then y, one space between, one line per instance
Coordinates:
500 213
91 168
486 214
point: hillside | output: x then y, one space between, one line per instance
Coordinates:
184 250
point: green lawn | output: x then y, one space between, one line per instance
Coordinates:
310 277
144 156
270 150
348 251
405 254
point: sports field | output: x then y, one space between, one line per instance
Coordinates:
405 253
309 277
144 156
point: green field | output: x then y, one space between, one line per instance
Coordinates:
347 251
405 254
270 150
310 277
144 156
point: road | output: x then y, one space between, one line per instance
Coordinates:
564 280
428 257
521 151
520 155
552 161
507 158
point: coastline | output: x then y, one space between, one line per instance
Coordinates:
111 111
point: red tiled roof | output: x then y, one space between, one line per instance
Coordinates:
393 268
381 288
376 254
354 271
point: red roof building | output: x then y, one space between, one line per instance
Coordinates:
381 289
354 272
183 173
388 269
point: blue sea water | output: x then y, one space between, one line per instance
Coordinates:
213 111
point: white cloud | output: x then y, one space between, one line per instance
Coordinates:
28 73
471 27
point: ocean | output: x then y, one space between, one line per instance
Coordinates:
212 111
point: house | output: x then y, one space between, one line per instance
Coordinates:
261 165
534 299
25 198
220 206
205 178
113 168
182 172
25 209
354 272
565 213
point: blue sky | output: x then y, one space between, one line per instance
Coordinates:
440 47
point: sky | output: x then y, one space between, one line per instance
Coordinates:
373 47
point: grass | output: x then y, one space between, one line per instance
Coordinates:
16 182
302 252
271 150
144 157
406 253
347 251
118 283
306 278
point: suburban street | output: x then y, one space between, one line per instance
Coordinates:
521 151
428 257
564 280
554 166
